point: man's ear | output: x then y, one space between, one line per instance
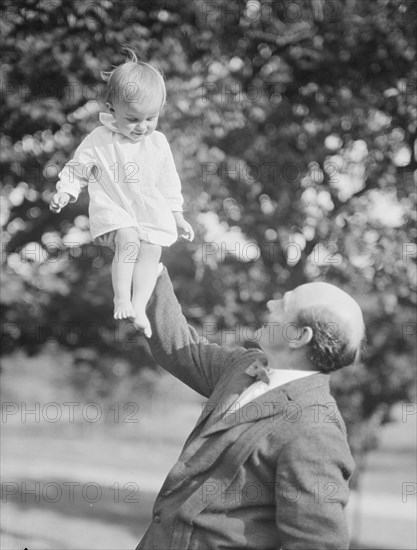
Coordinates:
304 336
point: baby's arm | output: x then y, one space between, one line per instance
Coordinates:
73 176
170 186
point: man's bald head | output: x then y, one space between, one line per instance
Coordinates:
338 330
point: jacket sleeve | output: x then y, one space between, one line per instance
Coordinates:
76 173
169 181
311 490
178 348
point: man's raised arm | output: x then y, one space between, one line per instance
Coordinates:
178 348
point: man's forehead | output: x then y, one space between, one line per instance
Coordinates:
325 295
320 292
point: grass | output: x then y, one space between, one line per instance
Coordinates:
124 456
124 461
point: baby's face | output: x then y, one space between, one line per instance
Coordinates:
136 119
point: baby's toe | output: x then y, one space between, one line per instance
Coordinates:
130 314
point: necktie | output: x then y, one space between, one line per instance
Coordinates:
259 370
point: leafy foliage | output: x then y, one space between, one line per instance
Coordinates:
293 127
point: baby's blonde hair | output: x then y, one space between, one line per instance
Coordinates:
133 81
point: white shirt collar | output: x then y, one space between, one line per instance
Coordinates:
279 377
109 122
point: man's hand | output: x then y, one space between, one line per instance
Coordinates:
185 231
59 201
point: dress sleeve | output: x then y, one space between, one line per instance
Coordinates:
169 182
178 348
76 173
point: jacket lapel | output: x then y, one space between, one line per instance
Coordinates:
271 403
266 405
224 395
201 451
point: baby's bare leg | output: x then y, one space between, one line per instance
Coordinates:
144 279
124 261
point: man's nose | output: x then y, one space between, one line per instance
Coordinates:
274 305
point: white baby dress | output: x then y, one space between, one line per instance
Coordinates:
130 184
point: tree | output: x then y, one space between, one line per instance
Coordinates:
293 126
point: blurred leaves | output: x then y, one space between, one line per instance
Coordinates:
293 126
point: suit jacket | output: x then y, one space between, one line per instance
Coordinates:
272 475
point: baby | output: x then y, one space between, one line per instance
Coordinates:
134 189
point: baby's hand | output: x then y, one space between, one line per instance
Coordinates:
59 201
185 231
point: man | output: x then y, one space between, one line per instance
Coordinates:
267 464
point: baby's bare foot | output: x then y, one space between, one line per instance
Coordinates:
142 323
123 309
